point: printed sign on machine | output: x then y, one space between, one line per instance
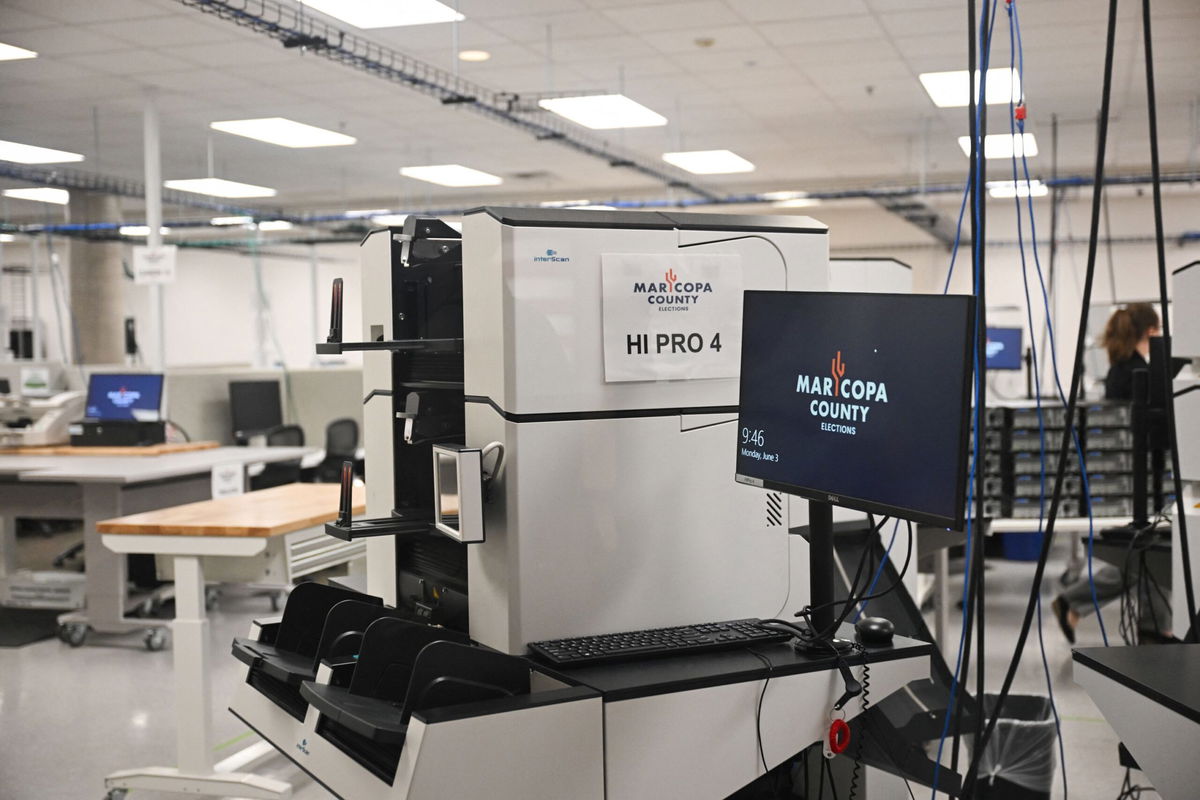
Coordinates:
671 316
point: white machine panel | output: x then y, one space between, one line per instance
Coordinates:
592 545
533 324
1185 324
617 509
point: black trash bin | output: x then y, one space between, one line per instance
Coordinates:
1018 763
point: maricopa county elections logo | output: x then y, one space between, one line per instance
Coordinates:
552 255
124 398
842 390
673 294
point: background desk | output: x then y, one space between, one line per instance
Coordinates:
1151 698
93 488
240 526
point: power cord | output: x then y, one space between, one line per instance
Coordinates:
1076 377
1017 113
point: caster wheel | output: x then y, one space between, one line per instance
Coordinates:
74 633
116 794
155 640
211 596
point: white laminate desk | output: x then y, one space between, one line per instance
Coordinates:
94 488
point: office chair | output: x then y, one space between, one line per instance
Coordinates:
282 472
341 442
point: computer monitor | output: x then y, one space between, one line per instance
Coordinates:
1004 348
859 400
113 397
254 407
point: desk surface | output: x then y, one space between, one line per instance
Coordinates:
270 512
1168 674
628 680
148 450
137 469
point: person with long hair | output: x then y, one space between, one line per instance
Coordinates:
1126 339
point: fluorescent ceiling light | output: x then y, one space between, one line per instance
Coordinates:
949 89
604 111
42 194
231 221
275 225
10 52
387 13
451 175
1002 145
775 196
797 202
283 132
139 230
474 55
1007 189
709 162
219 187
390 220
563 203
6 238
29 154
367 212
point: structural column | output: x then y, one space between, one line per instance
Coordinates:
97 283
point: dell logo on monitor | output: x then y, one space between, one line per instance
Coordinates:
833 498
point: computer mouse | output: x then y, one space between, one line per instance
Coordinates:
875 630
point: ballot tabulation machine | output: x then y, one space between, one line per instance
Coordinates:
551 425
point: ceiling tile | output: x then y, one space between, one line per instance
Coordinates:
685 40
831 29
774 10
648 18
127 62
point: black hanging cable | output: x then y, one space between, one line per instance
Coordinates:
985 35
1168 388
973 99
1069 422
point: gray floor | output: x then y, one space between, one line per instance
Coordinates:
68 717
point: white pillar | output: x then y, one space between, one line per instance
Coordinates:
153 176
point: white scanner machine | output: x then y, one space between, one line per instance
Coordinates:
600 354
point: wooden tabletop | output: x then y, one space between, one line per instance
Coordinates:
147 450
269 512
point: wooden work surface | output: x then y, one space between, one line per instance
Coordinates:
269 512
147 450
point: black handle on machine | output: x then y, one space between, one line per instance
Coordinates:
335 314
346 504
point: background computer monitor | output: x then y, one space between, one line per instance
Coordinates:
1004 348
858 400
115 397
254 406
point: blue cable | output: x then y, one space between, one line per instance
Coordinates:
1087 491
879 570
979 388
1037 386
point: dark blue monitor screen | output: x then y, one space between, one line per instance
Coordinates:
859 400
1004 348
124 397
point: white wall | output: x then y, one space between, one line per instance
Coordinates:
210 308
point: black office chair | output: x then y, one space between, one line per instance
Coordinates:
341 442
280 473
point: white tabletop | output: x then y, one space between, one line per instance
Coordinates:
138 469
1068 524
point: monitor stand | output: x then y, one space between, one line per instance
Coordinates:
821 568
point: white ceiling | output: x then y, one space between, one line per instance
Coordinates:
817 94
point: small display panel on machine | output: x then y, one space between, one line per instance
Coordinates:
859 400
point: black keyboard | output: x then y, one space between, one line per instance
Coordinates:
612 647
